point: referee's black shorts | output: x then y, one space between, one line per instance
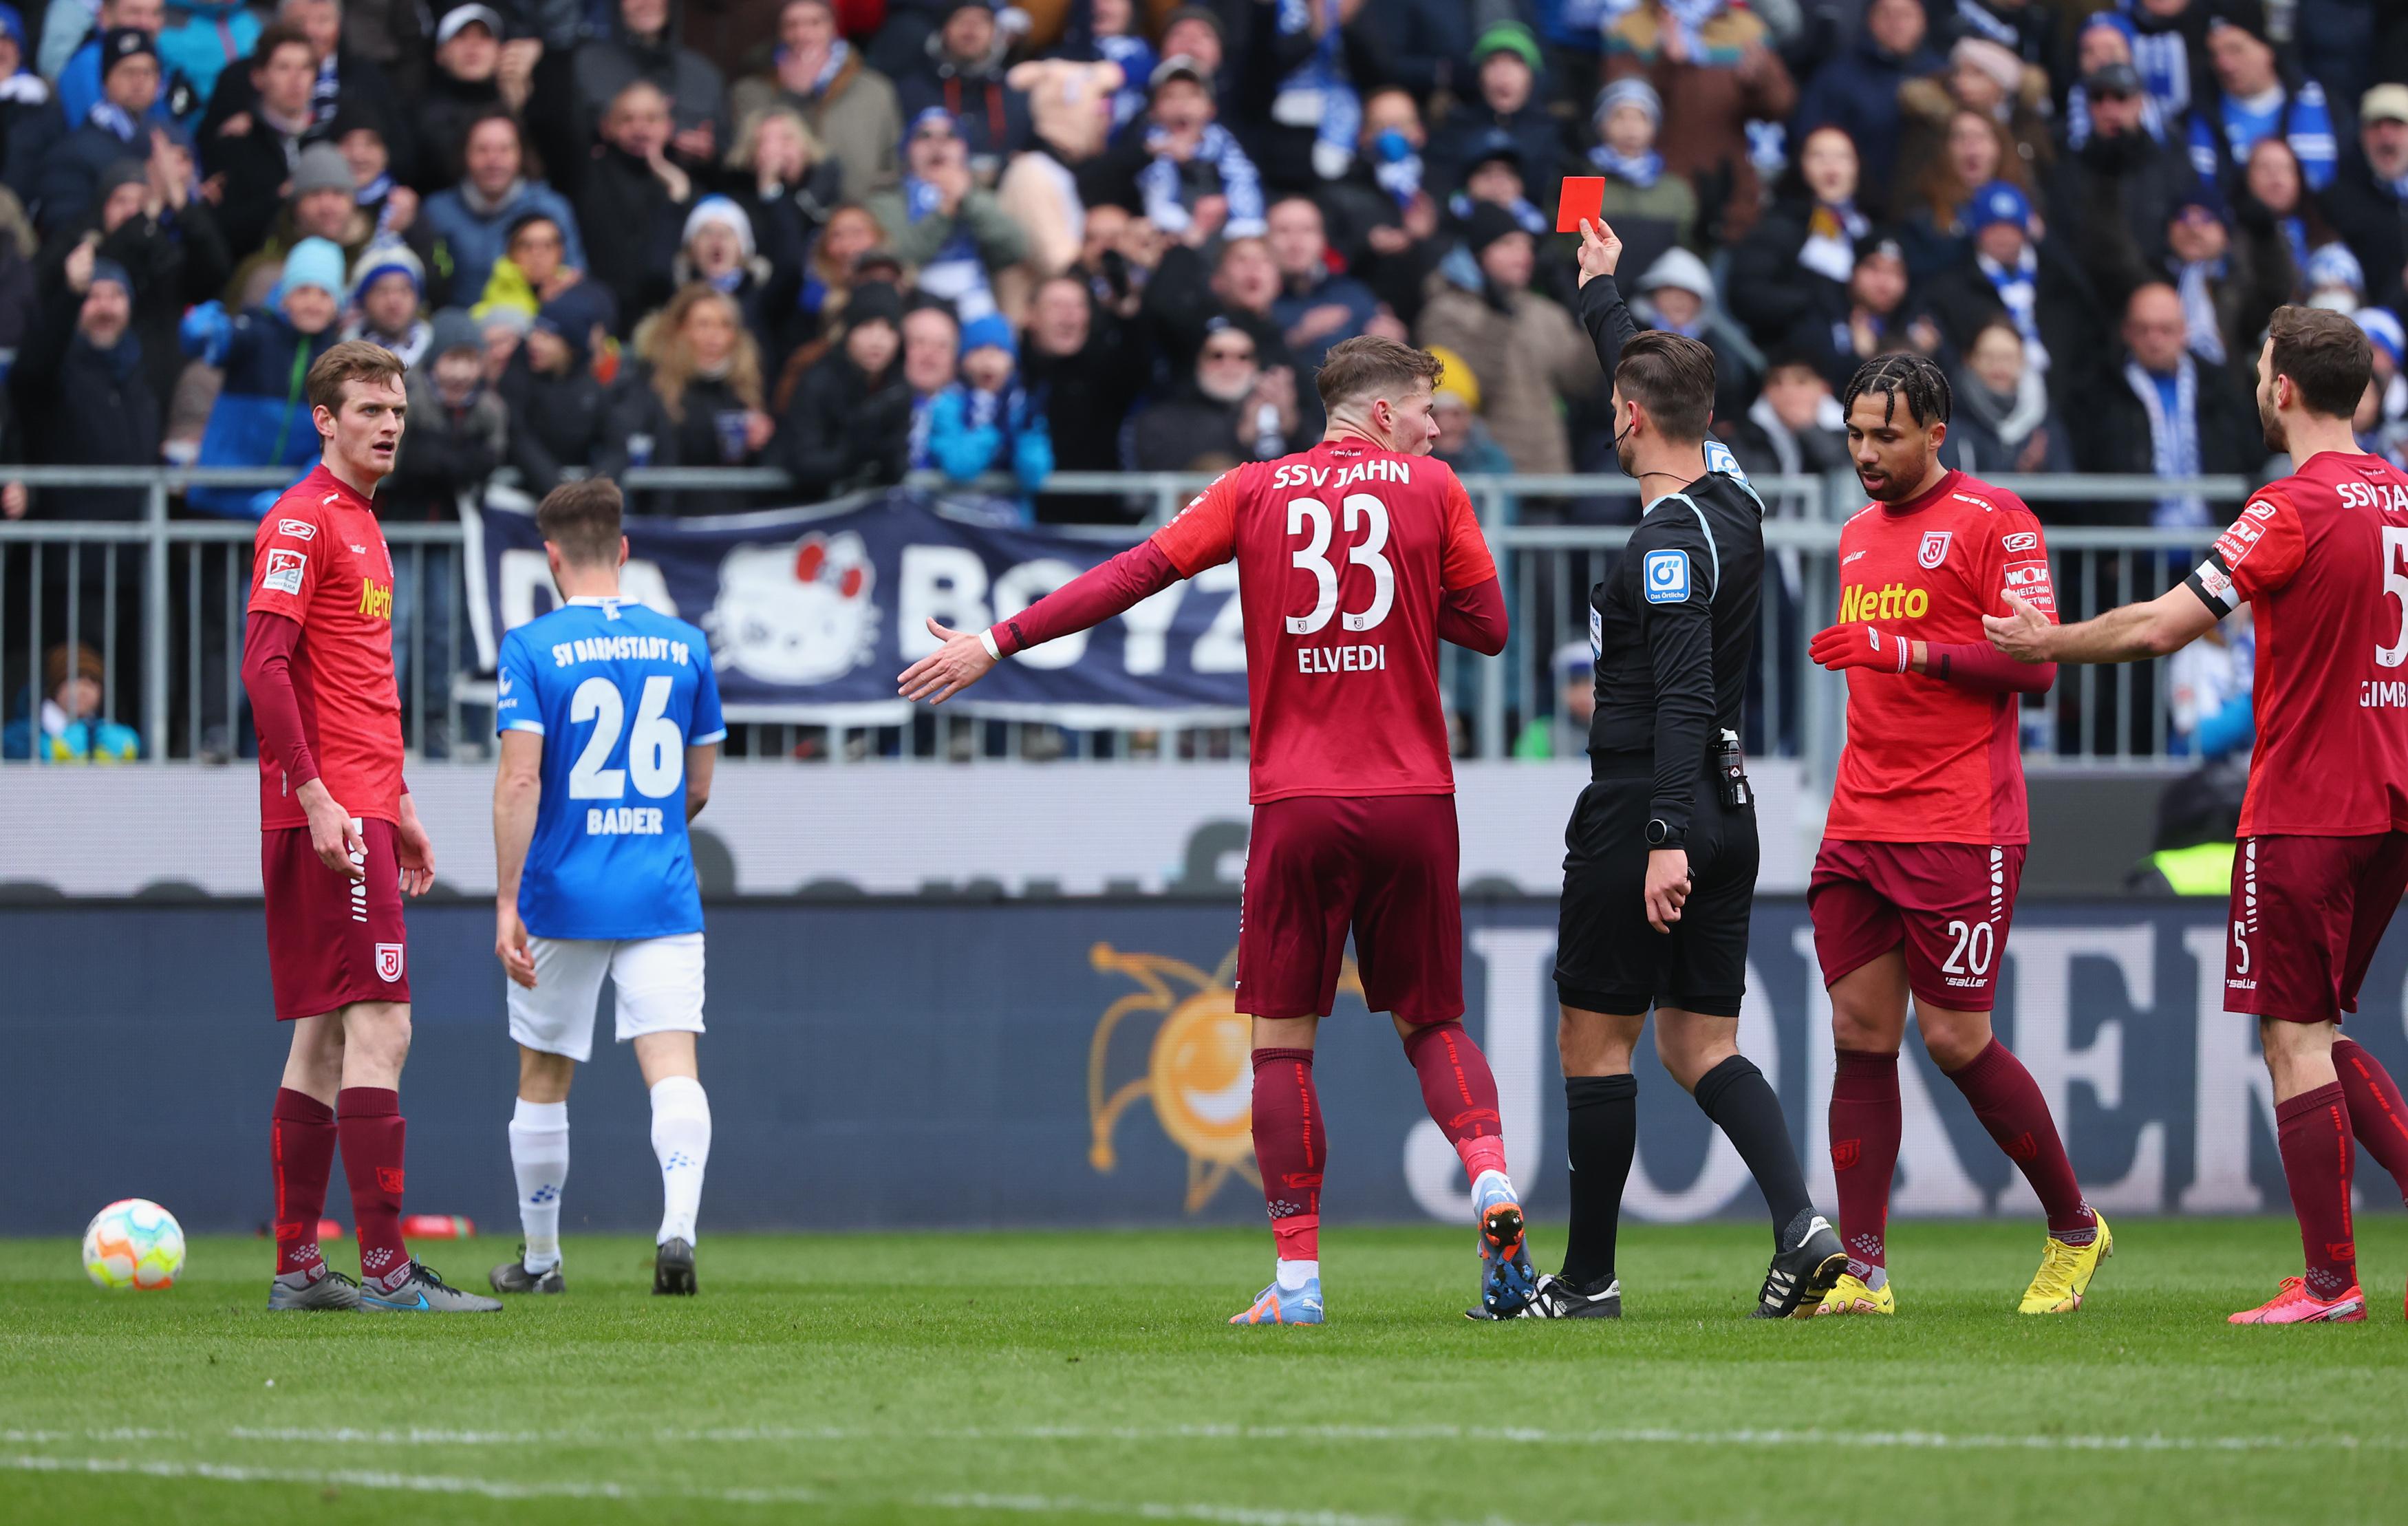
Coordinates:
1608 958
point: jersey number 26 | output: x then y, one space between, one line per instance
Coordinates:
655 752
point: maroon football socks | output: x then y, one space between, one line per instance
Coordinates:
2008 1102
1460 1092
2377 1112
2313 1130
300 1156
1866 1121
370 1122
1291 1146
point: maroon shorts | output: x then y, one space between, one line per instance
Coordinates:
2306 914
332 940
1385 866
1948 903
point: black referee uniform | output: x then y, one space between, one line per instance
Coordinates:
1674 630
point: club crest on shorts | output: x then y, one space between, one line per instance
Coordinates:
388 962
1666 574
1935 548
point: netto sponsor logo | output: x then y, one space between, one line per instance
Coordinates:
1891 602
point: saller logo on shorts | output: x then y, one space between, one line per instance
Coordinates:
1666 576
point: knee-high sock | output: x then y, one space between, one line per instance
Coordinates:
2008 1102
1866 1123
682 1140
1602 1135
1291 1148
300 1158
539 1159
2377 1114
2313 1130
369 1121
1745 1108
1460 1092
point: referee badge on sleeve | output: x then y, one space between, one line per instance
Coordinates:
1666 576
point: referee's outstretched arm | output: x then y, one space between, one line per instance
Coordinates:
1599 301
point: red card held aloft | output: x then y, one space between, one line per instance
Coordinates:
1583 197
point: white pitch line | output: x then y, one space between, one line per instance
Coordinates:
1623 1436
508 1489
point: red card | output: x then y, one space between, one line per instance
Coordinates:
1582 196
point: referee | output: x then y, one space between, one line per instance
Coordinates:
1659 867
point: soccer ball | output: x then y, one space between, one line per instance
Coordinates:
133 1243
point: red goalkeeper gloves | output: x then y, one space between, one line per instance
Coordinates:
1842 647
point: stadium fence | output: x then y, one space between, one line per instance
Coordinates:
161 598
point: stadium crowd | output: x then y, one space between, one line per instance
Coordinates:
854 239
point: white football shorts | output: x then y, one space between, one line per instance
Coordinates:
658 981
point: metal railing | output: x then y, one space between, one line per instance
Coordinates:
167 593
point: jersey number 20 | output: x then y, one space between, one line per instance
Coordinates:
1310 517
655 752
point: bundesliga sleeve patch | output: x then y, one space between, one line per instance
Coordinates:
1666 574
284 570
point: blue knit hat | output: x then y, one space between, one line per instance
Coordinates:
1999 202
315 262
994 329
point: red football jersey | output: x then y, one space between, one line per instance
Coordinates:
1343 556
320 559
2321 558
1929 761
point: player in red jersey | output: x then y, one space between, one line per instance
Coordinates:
339 843
2321 558
1355 559
1915 883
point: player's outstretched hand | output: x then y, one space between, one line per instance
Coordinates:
1853 645
333 834
1668 885
2022 634
954 667
510 946
415 851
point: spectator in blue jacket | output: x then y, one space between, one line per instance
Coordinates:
78 84
2255 102
213 35
984 421
1316 306
262 415
1858 90
118 127
472 222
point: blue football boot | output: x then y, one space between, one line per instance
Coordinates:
1278 1305
1508 1282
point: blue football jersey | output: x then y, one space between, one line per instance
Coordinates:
617 693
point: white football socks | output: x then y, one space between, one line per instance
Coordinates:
1292 1276
682 1139
539 1156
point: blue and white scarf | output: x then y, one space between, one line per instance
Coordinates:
2162 60
1401 177
922 412
2201 329
1976 17
2020 294
325 94
1534 222
2303 120
116 119
954 272
1639 169
1135 56
1686 17
2173 442
838 51
1318 94
1158 182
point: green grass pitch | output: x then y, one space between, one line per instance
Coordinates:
1011 1377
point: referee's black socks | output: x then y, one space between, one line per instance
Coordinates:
1745 1108
1602 1135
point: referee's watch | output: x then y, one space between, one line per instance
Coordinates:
1662 835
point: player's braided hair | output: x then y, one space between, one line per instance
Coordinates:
1901 374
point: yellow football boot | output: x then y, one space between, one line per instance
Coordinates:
1849 1295
2065 1272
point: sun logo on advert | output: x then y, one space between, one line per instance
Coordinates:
1199 1070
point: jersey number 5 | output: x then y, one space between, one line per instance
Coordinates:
655 752
1310 517
2395 586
